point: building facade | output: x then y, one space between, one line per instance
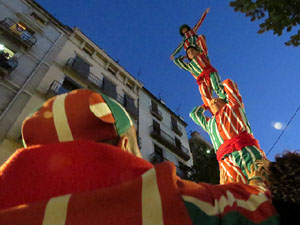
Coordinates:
42 57
30 40
162 133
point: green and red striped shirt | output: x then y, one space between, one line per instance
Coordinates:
230 121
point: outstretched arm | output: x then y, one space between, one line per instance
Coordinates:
199 118
176 51
232 93
196 27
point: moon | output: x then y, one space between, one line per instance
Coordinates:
278 125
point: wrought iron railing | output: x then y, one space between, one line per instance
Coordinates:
169 142
90 77
57 88
25 36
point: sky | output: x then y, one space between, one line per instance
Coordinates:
142 34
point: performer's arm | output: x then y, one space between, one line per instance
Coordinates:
181 64
199 118
201 42
196 27
176 50
232 93
217 85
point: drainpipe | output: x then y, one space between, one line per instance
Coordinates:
29 78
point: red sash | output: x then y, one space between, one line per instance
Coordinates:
236 144
205 75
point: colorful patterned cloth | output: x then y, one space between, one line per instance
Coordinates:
110 186
228 123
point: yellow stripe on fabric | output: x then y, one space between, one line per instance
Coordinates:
232 93
224 129
60 119
253 202
56 210
237 118
100 109
151 201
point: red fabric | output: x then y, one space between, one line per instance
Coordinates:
76 107
42 172
205 75
122 204
236 144
189 34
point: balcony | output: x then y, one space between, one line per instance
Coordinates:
177 130
8 65
56 88
156 113
156 158
169 142
17 32
82 69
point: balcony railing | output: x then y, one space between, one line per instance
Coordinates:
7 66
177 130
56 88
18 32
156 113
169 142
84 73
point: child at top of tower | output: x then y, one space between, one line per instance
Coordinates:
189 35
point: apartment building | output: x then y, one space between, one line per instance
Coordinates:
30 40
42 58
162 133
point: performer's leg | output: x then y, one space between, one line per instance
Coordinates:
206 93
246 157
232 171
217 84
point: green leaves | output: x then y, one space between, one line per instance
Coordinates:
280 16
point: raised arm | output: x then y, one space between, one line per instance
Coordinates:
181 64
199 118
232 93
179 47
196 27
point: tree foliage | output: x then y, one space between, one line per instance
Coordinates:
206 167
280 16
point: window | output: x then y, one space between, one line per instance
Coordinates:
8 61
177 143
110 69
81 66
88 49
175 127
37 18
130 85
109 88
156 127
154 110
70 84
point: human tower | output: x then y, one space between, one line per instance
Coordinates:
235 146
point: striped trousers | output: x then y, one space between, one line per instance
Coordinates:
206 90
236 163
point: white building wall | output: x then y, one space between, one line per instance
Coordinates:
146 121
19 96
